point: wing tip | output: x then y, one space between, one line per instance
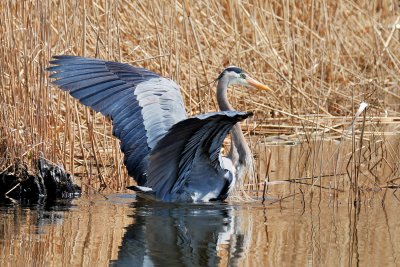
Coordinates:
142 189
249 114
57 60
144 192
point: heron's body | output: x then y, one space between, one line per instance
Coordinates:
170 156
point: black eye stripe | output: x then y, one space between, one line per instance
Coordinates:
234 69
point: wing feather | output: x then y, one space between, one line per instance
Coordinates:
141 104
191 142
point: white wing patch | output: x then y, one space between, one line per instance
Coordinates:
162 107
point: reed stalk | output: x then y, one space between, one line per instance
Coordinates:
321 58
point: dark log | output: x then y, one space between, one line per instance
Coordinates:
50 182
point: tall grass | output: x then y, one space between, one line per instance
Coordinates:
322 58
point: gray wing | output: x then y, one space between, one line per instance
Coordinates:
141 104
192 148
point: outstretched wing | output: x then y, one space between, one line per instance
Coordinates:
141 104
192 148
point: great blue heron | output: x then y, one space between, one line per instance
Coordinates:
170 156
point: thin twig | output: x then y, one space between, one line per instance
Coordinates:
12 189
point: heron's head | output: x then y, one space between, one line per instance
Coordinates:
235 75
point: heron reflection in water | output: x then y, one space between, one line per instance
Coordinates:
191 235
171 157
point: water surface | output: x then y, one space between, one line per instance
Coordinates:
122 231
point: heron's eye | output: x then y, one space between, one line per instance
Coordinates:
242 75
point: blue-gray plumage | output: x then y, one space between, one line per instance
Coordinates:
170 156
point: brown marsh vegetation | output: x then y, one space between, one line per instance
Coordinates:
322 58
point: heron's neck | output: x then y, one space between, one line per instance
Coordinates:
222 95
240 153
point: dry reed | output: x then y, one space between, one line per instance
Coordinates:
322 58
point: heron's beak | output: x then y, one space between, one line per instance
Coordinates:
257 85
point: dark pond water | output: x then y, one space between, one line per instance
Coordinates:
121 231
